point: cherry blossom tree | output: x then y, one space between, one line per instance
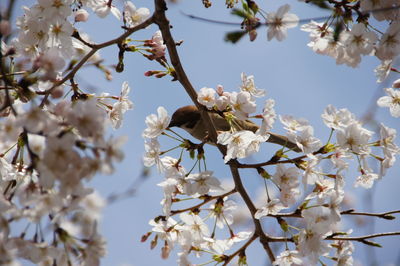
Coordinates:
55 138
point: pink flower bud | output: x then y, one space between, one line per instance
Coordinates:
57 93
81 15
220 89
165 251
148 73
160 74
253 35
5 28
396 84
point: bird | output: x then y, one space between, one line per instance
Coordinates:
189 119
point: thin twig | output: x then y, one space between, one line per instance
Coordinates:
270 162
297 214
384 215
13 74
131 191
240 250
360 238
205 201
95 48
300 21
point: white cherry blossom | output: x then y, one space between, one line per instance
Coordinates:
156 124
240 144
355 138
268 117
242 103
134 16
337 119
121 106
279 22
366 179
273 206
392 101
389 45
359 40
286 177
312 245
305 140
383 70
249 86
204 182
293 124
206 97
223 212
152 155
288 257
195 225
104 7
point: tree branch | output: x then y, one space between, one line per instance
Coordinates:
163 24
264 239
206 200
240 250
383 215
361 238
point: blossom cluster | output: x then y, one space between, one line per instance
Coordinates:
48 157
340 36
51 147
191 232
361 38
316 188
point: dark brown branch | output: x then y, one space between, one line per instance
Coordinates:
264 239
297 214
270 162
163 24
354 238
361 238
273 161
13 74
383 215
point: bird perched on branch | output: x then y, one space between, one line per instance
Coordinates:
189 118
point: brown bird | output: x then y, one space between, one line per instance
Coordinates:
189 118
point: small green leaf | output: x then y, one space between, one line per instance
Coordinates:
388 217
239 13
371 243
338 30
234 36
319 3
192 154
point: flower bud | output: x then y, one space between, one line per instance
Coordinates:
252 35
5 28
396 84
220 89
165 251
81 15
57 92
